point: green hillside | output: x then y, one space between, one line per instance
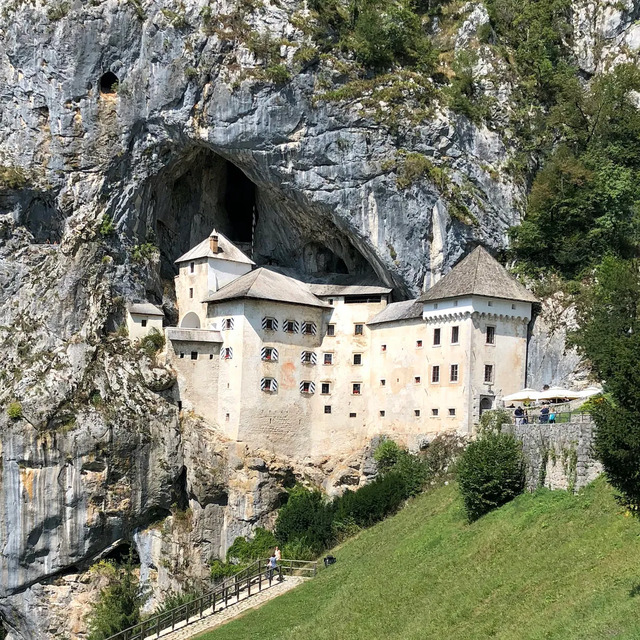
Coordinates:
548 565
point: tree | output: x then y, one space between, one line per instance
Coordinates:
609 316
490 473
119 604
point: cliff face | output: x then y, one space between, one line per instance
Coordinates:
106 179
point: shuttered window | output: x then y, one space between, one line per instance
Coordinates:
308 357
307 387
226 353
269 354
309 328
227 324
269 385
269 324
291 326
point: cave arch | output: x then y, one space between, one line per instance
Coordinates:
108 84
190 321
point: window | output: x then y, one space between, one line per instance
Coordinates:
211 356
356 388
192 267
226 353
455 335
383 347
488 373
291 326
308 357
182 355
435 374
490 303
452 412
144 322
309 328
331 330
453 375
436 337
382 413
455 303
416 413
491 335
227 324
358 329
327 408
434 413
361 299
383 382
435 305
226 417
513 306
269 324
357 358
269 354
191 292
417 379
330 301
352 415
325 388
418 344
269 384
307 387
194 355
327 358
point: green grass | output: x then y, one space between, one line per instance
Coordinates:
548 565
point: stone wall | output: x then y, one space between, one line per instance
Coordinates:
558 456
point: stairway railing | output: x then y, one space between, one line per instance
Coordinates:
257 573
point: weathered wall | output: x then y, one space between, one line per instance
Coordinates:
559 456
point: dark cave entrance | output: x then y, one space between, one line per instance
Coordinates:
240 204
108 83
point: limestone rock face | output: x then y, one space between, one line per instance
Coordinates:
127 131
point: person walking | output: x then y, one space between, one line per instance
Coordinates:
273 565
278 554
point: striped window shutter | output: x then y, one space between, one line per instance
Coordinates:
227 353
309 328
308 357
296 326
268 384
274 354
227 324
310 387
272 321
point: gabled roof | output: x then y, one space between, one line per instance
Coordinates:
406 310
226 251
478 274
264 284
145 309
337 284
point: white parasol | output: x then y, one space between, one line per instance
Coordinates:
522 396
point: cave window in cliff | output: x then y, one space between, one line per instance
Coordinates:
109 84
121 554
240 204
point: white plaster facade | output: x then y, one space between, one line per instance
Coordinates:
359 370
142 319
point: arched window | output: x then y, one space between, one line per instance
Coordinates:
190 321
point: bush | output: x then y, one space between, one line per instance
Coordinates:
152 342
490 473
107 227
492 421
14 410
442 454
174 599
386 455
219 569
260 546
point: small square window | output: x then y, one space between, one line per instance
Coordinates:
435 305
192 267
419 344
325 388
327 408
417 379
226 417
330 300
452 412
436 337
453 377
327 358
227 324
269 324
382 413
358 329
383 347
307 357
144 322
309 328
416 413
357 358
383 382
306 387
455 335
211 356
290 326
491 335
356 388
352 415
488 373
434 412
182 355
513 306
194 355
331 329
191 292
455 303
435 374
490 303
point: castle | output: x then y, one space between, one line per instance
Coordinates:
320 367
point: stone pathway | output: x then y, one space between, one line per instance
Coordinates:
224 614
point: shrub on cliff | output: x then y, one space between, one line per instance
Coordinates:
490 473
260 546
14 410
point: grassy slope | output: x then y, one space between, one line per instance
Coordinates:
548 565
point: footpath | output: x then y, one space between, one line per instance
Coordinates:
223 614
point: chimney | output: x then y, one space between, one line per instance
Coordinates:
213 242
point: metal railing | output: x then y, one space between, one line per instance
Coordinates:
257 574
532 416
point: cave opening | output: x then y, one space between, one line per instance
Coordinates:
121 553
240 204
108 83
